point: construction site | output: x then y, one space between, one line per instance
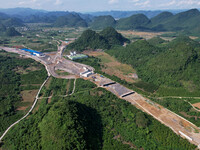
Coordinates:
54 61
178 124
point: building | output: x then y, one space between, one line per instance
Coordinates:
34 53
86 73
74 56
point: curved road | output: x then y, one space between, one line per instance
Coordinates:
35 102
192 106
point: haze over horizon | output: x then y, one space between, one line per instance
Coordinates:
102 5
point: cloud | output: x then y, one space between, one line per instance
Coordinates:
134 1
181 4
22 3
188 2
171 3
113 1
143 4
58 2
28 2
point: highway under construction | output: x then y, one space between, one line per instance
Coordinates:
54 61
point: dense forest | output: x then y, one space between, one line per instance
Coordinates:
106 39
92 118
11 85
174 64
102 22
70 20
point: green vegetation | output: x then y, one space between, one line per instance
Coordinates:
91 119
113 37
102 22
185 22
138 21
174 65
10 21
62 128
10 31
156 41
104 40
141 53
169 69
181 107
160 18
70 20
89 40
13 22
12 83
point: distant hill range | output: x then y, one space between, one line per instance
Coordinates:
139 20
124 14
184 21
10 21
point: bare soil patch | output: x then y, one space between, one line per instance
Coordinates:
193 37
145 35
188 116
21 70
49 99
94 93
22 108
29 95
68 86
113 67
196 105
28 98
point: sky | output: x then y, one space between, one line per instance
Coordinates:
101 5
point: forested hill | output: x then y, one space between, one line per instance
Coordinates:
8 31
106 39
133 22
187 20
165 21
92 118
176 64
101 22
10 21
70 20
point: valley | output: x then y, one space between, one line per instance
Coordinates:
51 61
80 81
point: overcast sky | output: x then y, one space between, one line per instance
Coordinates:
101 5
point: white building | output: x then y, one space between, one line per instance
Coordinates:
86 73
